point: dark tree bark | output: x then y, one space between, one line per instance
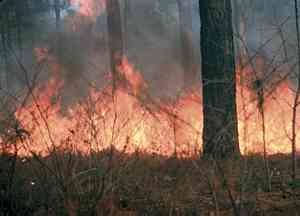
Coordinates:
115 36
220 129
187 49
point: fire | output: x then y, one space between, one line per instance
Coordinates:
278 121
89 8
132 77
130 120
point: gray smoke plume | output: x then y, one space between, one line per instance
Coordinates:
152 43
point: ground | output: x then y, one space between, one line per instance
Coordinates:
114 183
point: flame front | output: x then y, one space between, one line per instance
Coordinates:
131 120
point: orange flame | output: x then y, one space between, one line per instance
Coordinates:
129 123
132 77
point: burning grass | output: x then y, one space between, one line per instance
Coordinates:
121 150
130 119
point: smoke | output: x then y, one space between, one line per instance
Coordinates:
152 45
152 41
267 31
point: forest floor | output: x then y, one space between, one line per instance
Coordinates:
118 184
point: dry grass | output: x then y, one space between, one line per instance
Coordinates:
142 184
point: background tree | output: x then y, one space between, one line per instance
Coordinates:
57 9
115 35
220 129
187 49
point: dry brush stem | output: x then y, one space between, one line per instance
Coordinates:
296 101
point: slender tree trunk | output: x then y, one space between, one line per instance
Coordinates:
259 88
5 42
220 129
241 53
240 31
115 35
58 42
3 57
296 100
127 11
187 49
57 14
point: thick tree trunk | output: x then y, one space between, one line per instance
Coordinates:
220 129
187 49
115 35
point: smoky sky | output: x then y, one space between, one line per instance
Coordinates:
152 43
